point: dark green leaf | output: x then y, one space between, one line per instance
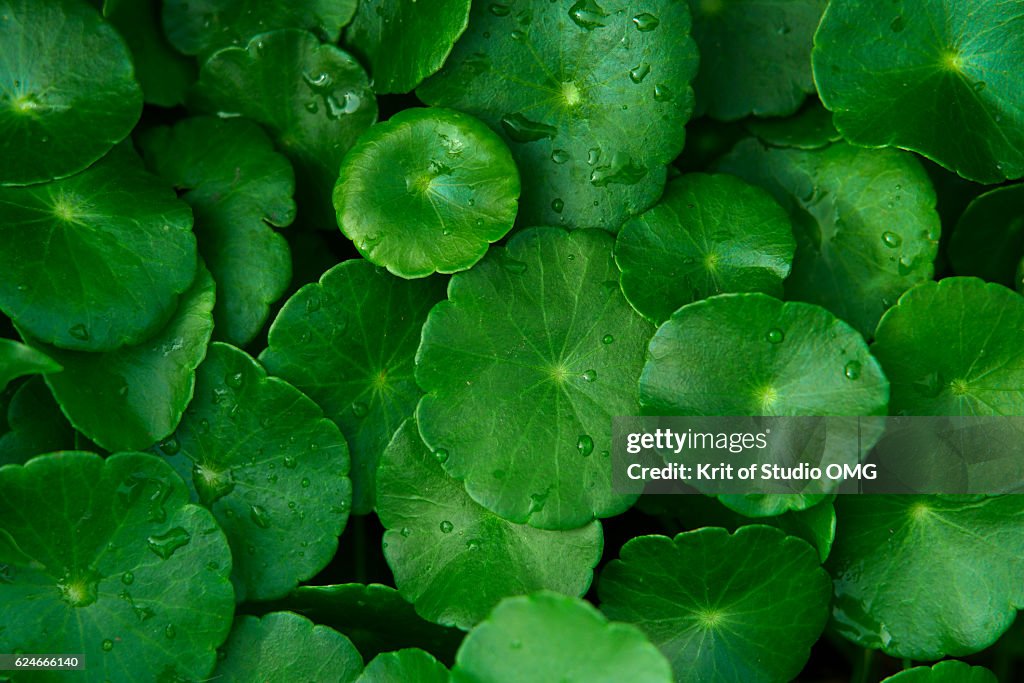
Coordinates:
524 366
810 128
407 666
709 234
944 672
988 240
18 360
427 191
348 342
32 424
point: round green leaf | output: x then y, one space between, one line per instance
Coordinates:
927 576
199 27
32 424
944 672
67 92
865 223
79 256
532 638
282 646
709 234
134 396
954 347
404 42
810 128
942 79
313 98
375 617
754 56
988 240
270 466
408 666
722 607
349 342
436 532
18 360
592 97
524 366
238 187
107 558
427 191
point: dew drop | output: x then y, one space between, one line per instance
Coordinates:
662 93
107 645
305 482
589 375
170 446
897 24
359 409
170 632
639 72
234 380
442 455
127 578
585 445
593 155
290 462
891 239
313 304
559 156
499 10
557 205
446 527
312 107
852 370
979 86
79 332
607 339
522 129
775 336
587 14
164 545
259 516
646 22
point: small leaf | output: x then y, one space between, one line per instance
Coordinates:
708 235
404 42
988 241
407 666
32 424
435 532
136 395
876 66
944 672
954 347
810 128
282 646
63 103
79 254
18 360
524 366
527 638
270 467
427 191
755 57
726 607
238 187
123 570
349 342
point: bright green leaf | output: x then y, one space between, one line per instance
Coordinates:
944 672
313 98
436 532
67 92
132 397
270 466
31 423
524 366
123 570
349 342
592 97
941 78
404 42
427 191
865 223
709 234
528 638
923 577
743 607
238 187
283 647
954 347
754 56
199 27
95 261
407 666
18 360
988 240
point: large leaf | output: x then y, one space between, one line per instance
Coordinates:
79 254
404 42
944 672
754 56
132 397
199 27
955 347
238 187
122 569
32 424
592 97
407 666
743 607
865 223
897 558
524 366
348 342
282 647
67 93
427 191
547 637
988 240
941 78
18 360
313 98
270 466
709 234
435 532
